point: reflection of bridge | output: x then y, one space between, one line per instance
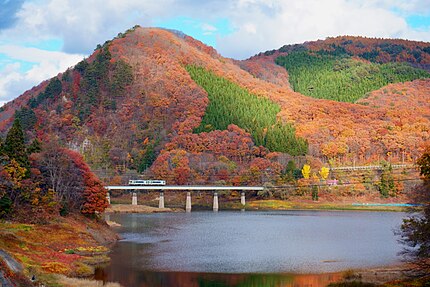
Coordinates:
188 188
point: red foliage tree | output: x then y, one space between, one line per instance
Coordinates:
94 194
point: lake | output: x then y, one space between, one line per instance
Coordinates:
252 248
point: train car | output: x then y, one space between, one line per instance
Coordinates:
146 182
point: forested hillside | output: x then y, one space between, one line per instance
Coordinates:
41 181
340 77
376 50
353 69
163 103
231 104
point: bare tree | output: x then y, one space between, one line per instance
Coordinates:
415 230
62 175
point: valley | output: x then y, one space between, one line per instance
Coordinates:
157 104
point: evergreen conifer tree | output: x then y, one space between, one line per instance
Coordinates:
35 146
14 145
1 147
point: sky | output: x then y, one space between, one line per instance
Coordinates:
40 38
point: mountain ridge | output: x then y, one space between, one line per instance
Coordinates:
141 123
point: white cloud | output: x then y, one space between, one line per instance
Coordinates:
83 24
8 76
208 27
249 28
257 25
402 6
47 64
289 22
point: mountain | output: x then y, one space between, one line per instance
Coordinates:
371 72
160 102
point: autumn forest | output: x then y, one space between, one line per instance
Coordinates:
154 103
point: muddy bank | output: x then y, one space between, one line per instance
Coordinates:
128 208
380 275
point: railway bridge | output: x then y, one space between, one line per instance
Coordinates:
187 188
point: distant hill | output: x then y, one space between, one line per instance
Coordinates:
346 68
163 103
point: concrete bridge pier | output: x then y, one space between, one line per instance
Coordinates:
108 197
215 201
134 199
242 198
161 200
188 202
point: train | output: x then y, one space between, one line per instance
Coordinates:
146 182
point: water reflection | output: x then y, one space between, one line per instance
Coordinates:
248 248
189 279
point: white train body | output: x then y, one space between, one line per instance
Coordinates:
146 182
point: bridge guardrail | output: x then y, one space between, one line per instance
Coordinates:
364 167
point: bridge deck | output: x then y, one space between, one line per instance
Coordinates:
183 187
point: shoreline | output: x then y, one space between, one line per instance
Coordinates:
260 205
128 208
62 251
380 275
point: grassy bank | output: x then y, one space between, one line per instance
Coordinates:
270 204
69 246
274 204
148 202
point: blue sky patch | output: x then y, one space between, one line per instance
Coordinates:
418 21
54 44
205 31
23 65
8 9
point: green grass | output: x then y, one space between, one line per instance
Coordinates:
231 104
274 204
340 77
16 227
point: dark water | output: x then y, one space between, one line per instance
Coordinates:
276 248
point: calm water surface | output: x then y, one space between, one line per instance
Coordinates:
249 248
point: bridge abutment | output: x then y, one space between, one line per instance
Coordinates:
188 202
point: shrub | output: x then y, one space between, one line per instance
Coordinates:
82 270
5 205
315 193
55 267
264 193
